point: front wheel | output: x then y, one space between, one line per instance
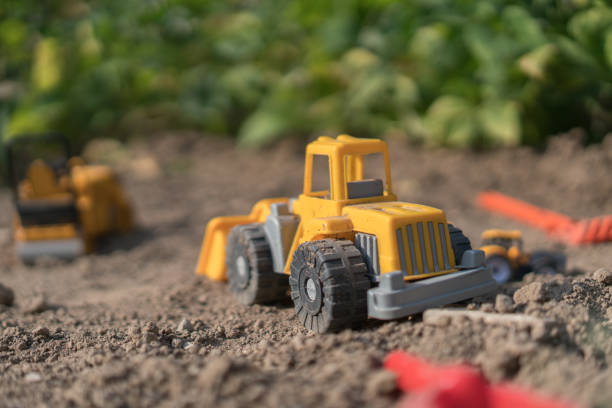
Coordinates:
500 268
329 284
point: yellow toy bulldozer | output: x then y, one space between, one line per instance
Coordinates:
62 205
345 248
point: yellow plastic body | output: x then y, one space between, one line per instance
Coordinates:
99 199
44 232
501 234
513 252
331 214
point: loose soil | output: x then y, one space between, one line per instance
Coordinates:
133 326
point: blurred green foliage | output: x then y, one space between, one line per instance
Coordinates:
451 72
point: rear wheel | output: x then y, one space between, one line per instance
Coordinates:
329 284
249 267
547 262
459 242
500 268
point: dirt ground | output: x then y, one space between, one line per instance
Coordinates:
133 326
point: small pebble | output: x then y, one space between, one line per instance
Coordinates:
603 275
192 348
381 383
5 236
185 325
32 377
504 303
41 331
36 304
487 307
534 292
7 297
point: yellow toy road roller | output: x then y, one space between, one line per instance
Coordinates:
62 205
345 248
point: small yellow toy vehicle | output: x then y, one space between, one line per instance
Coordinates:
508 261
62 205
346 248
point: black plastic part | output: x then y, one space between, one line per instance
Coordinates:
459 242
338 289
46 213
546 262
364 188
23 140
258 283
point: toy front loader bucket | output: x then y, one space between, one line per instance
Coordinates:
212 256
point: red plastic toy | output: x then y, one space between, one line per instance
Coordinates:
558 226
457 386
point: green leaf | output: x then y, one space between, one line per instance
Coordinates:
31 119
588 26
47 70
262 128
535 63
357 60
501 123
13 33
445 121
523 27
608 47
462 131
245 82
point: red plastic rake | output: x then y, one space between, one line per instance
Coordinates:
457 386
558 226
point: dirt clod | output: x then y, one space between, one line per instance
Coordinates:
7 297
603 275
185 325
5 236
41 331
503 303
36 304
381 382
533 292
499 366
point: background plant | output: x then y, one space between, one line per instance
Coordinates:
459 73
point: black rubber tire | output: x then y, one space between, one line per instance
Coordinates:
253 281
501 270
338 289
547 262
459 242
